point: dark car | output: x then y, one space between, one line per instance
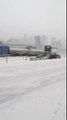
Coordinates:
53 56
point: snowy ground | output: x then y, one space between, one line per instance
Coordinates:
32 90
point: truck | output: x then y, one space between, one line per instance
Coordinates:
4 50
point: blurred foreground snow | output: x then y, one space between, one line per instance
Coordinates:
32 90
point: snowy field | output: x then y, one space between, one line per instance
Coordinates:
32 90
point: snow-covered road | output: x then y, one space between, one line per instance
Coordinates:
32 90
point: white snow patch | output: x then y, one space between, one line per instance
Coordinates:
32 90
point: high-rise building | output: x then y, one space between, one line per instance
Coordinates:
43 41
38 41
54 41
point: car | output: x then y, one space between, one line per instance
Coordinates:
53 56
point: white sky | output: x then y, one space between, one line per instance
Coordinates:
32 17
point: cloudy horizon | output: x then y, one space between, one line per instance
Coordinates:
32 17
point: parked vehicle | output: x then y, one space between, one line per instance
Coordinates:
53 56
27 52
40 54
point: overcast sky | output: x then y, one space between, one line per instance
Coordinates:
32 17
